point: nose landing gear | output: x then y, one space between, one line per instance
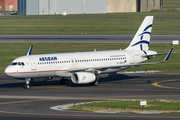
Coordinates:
27 80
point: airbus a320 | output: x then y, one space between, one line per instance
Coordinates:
84 67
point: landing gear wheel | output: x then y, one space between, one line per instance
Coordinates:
61 81
27 80
26 86
64 81
95 83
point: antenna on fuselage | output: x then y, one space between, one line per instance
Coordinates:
30 50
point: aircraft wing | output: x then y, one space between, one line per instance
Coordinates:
118 66
100 68
156 54
165 59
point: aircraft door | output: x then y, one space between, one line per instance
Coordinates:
132 58
74 62
33 63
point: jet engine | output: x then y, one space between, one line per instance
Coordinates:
83 77
41 79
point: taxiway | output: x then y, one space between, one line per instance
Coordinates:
19 103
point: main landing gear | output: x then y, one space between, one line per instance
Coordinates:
95 83
64 81
27 80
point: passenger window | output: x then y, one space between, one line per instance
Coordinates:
19 63
22 63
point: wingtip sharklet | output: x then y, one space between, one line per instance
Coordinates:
168 55
30 50
165 59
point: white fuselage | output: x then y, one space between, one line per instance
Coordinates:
58 65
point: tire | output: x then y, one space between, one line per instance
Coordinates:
26 86
95 83
62 81
66 81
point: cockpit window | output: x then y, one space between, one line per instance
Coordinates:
22 63
17 63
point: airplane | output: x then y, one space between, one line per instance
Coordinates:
84 67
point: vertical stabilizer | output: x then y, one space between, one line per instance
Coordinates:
142 38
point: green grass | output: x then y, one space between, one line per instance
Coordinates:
83 24
147 13
131 13
4 11
171 4
10 51
78 110
133 106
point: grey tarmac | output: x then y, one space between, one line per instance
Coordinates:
82 38
35 103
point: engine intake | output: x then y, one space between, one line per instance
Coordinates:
83 77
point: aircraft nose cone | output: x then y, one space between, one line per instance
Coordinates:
12 72
7 71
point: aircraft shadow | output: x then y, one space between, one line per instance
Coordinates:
107 78
116 77
102 79
21 84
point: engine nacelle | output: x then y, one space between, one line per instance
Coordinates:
41 79
83 77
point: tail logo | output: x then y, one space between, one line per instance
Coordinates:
141 39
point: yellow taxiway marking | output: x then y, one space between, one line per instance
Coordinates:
157 84
21 101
